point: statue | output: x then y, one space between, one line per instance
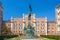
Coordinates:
30 11
29 30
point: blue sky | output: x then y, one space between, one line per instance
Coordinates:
41 8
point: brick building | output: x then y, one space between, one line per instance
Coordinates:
58 18
41 25
1 16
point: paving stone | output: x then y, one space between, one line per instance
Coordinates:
29 39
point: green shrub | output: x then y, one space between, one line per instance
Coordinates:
7 36
1 38
10 36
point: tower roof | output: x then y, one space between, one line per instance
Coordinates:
0 3
58 6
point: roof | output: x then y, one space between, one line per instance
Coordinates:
58 6
51 22
7 21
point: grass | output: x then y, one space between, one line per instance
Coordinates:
55 37
42 38
16 38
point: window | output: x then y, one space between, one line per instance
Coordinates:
37 24
52 28
48 29
42 26
20 27
15 27
42 30
37 27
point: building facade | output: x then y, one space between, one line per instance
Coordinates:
41 25
58 18
1 16
51 28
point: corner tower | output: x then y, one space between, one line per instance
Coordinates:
58 18
1 16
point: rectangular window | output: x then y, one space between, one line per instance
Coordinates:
52 28
42 26
37 27
37 24
20 27
15 28
42 30
48 29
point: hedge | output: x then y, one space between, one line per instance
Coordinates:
7 36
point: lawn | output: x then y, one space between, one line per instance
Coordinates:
42 38
16 38
55 37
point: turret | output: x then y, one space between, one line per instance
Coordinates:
1 16
58 18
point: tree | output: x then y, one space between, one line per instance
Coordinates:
5 30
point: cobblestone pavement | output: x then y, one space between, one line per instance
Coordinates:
38 39
19 38
29 39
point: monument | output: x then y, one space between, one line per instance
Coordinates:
29 30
